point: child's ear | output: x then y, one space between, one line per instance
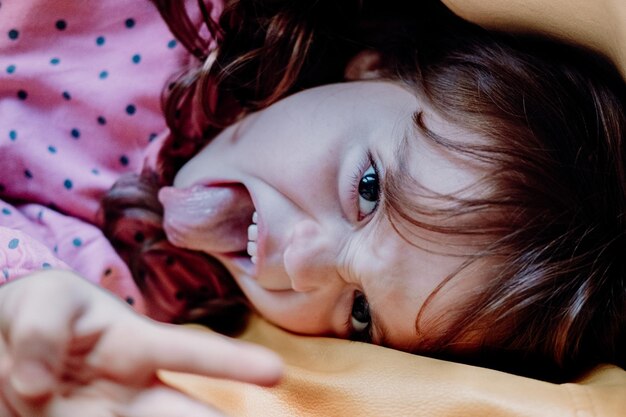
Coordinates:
363 66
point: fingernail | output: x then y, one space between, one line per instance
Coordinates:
31 379
270 367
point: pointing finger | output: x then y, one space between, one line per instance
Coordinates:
153 346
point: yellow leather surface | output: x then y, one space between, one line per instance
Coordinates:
597 24
329 377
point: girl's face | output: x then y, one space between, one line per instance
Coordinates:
328 261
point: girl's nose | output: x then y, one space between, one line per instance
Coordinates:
310 257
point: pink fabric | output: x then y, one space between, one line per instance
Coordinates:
80 86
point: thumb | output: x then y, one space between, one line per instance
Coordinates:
31 378
28 386
37 332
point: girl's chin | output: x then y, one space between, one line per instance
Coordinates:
238 264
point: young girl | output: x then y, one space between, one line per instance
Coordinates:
463 197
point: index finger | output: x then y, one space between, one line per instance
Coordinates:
182 349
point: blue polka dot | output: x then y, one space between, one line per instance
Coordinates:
68 184
77 242
55 249
40 215
46 265
131 109
28 174
101 120
14 34
103 74
55 61
11 69
13 243
6 211
5 272
95 171
13 135
124 160
66 95
129 23
100 40
75 133
61 24
171 44
22 95
52 149
136 59
152 137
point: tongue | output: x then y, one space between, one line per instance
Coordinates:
212 219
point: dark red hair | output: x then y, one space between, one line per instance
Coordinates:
554 220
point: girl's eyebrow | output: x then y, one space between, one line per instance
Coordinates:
394 168
391 171
401 147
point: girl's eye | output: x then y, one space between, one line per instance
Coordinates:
369 190
360 315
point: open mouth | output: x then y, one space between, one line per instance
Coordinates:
218 219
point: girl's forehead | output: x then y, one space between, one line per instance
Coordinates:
421 172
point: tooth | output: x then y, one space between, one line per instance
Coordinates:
253 259
253 232
251 249
255 217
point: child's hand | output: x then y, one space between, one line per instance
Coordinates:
68 348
